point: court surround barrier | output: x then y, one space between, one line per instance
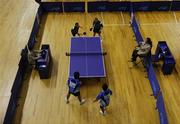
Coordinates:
137 6
99 6
151 74
161 109
63 6
74 6
152 6
52 6
107 6
17 84
35 28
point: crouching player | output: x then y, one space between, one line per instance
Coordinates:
74 88
104 98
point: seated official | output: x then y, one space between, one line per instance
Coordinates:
143 50
33 56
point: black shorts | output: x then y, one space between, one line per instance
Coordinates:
74 32
75 94
96 30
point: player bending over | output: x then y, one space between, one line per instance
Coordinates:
75 29
104 98
74 88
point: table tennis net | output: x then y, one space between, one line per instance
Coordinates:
85 53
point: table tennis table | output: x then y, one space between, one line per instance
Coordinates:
86 57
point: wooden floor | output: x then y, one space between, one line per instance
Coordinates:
131 102
16 20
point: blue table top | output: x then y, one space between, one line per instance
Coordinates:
87 64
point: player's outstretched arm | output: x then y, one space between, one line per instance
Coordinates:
95 100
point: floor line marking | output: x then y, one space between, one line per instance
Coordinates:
158 23
175 17
122 18
115 25
102 18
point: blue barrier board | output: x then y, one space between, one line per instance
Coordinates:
161 109
10 110
175 6
99 6
136 31
152 6
74 6
52 6
21 71
118 6
35 28
151 74
153 80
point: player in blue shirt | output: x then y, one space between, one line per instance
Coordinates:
74 88
104 98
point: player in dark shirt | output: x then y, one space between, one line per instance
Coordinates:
75 29
97 26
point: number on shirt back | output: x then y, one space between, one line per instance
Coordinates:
107 97
72 84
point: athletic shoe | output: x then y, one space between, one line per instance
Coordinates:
82 101
67 101
102 113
